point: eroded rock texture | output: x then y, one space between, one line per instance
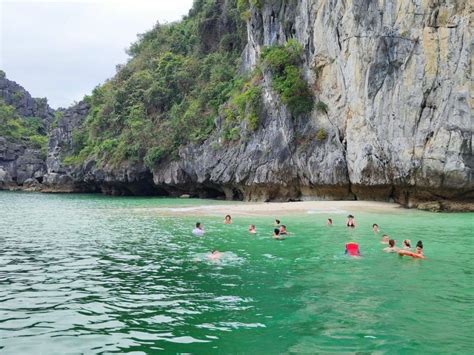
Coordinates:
22 165
395 76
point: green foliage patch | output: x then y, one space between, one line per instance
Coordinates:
284 62
29 130
180 78
169 93
321 135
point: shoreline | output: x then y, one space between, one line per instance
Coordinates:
279 208
252 208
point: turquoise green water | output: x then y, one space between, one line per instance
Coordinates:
92 274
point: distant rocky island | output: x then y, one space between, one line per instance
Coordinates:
261 100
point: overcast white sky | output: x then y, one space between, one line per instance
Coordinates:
63 49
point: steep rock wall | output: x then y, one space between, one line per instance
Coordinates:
26 106
21 164
396 78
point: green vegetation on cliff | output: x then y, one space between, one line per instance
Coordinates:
285 64
170 91
28 130
181 77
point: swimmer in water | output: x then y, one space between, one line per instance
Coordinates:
283 230
406 244
350 221
276 234
375 228
228 219
385 239
329 222
215 255
418 254
352 249
252 229
391 247
199 230
277 223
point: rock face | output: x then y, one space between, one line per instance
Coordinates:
60 144
26 106
129 179
20 162
395 77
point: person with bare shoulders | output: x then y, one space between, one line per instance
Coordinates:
418 254
351 221
252 229
375 228
283 230
228 219
406 244
391 247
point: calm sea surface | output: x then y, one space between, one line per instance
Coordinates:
93 274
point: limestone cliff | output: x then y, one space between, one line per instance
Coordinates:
395 76
21 162
391 80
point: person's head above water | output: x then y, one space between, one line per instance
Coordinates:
276 232
228 217
198 225
407 243
282 228
419 246
350 221
252 227
391 243
277 222
329 221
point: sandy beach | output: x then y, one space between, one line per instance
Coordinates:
280 208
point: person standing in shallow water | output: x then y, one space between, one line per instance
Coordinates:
351 221
228 219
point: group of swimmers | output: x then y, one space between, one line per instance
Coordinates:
352 248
